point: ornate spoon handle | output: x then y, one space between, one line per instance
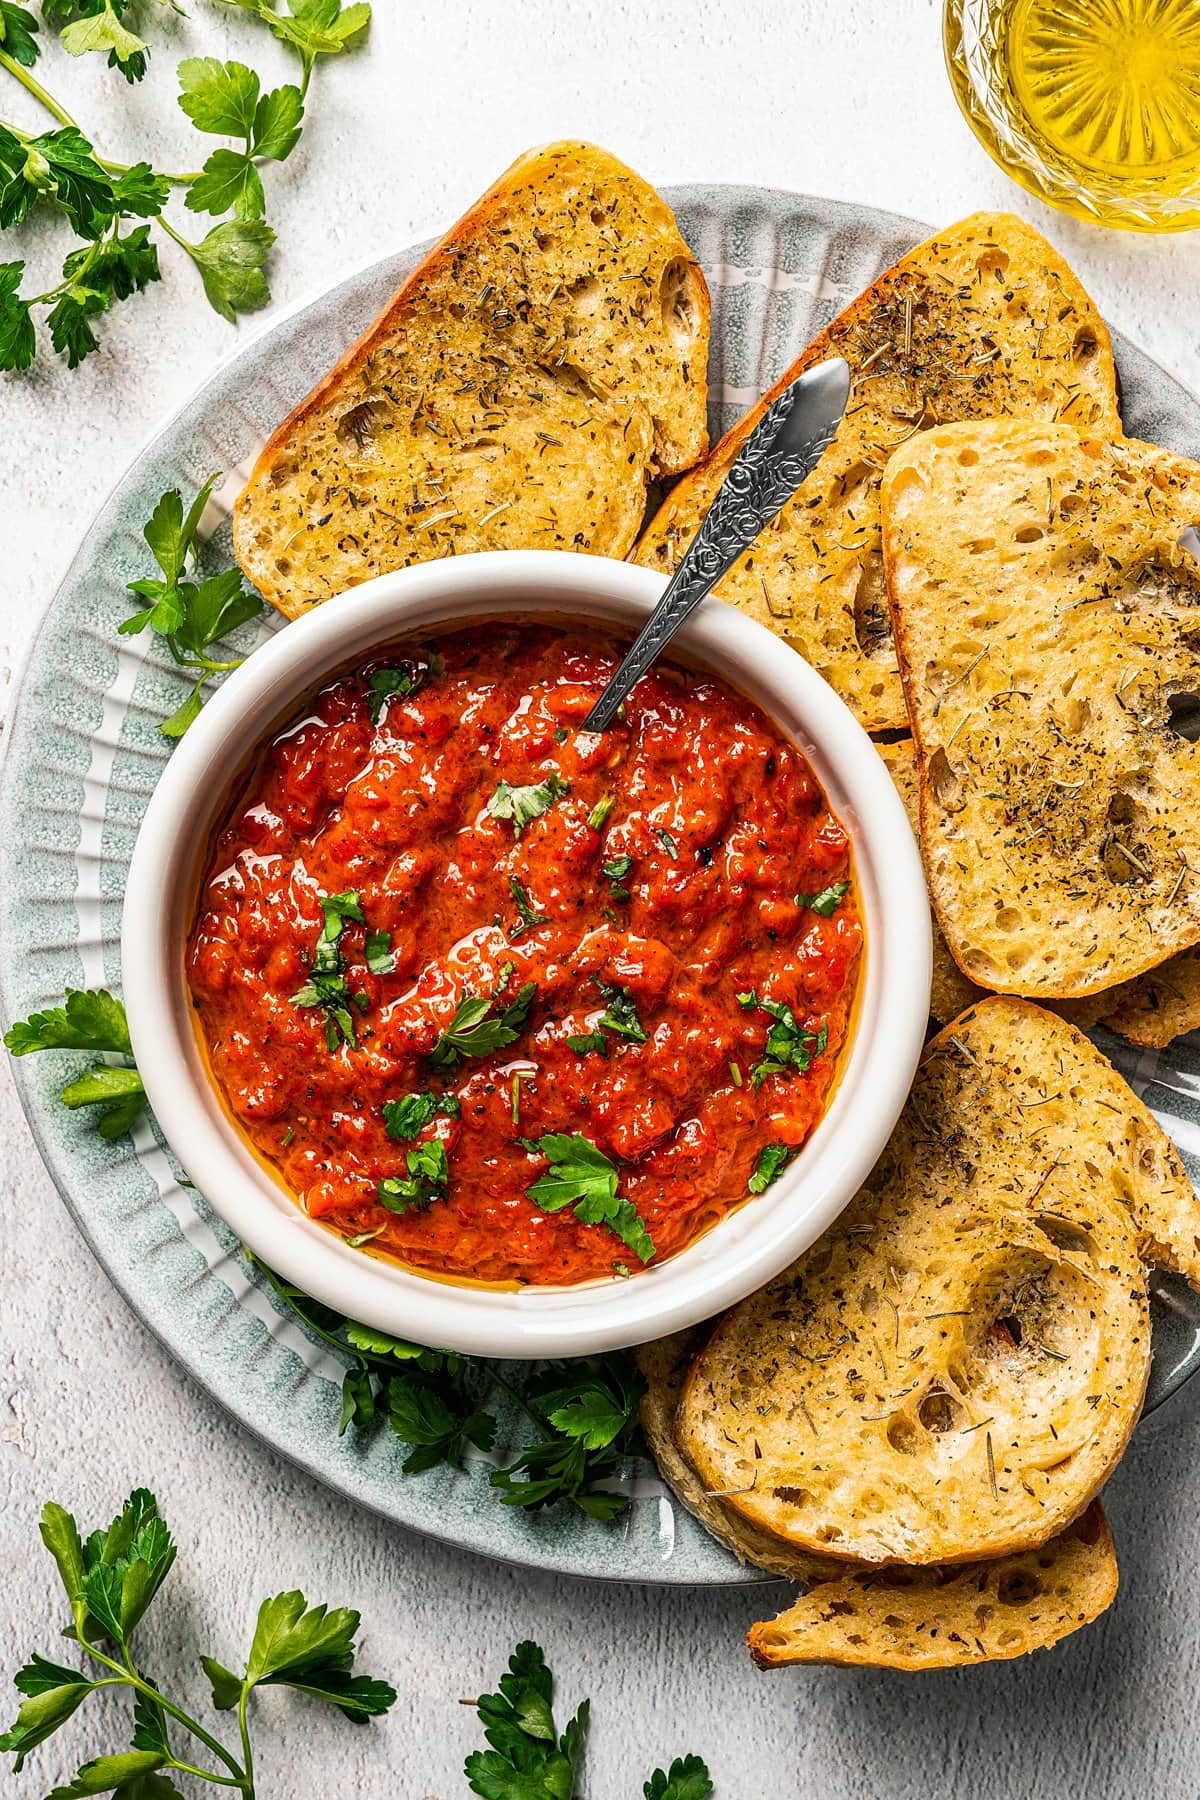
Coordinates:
784 447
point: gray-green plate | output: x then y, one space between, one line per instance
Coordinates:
82 760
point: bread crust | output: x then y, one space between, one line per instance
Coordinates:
1031 795
678 430
816 576
949 1618
1001 1195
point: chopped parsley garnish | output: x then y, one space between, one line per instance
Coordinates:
788 1045
404 1119
598 816
377 953
582 1177
617 868
668 842
529 919
619 1017
326 984
524 804
773 1159
476 1031
384 683
427 1179
824 902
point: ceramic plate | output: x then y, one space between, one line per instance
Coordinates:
83 757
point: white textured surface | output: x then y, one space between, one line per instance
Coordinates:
849 101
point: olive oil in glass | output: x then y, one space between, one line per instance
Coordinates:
1093 105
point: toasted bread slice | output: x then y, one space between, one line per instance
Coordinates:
952 992
947 1618
663 1366
984 318
1157 1007
1048 626
520 389
953 1370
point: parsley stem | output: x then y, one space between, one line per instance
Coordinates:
209 1775
130 1676
243 1728
34 87
518 1399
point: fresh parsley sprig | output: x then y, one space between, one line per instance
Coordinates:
521 805
326 986
427 1180
620 1017
110 1579
529 1759
477 1030
788 1046
582 1177
101 200
90 1019
404 1119
587 1415
190 616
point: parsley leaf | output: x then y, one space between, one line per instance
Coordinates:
475 1031
582 1177
405 1118
230 260
524 804
190 615
426 1181
529 919
383 683
788 1046
686 1779
100 28
326 985
377 953
598 816
772 1160
619 1017
18 340
89 1020
312 28
18 29
224 99
617 869
528 1760
668 842
826 901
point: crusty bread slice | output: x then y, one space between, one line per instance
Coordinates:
520 389
663 1366
985 318
1158 1007
1048 626
947 1618
953 1370
952 992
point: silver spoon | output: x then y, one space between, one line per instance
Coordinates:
784 447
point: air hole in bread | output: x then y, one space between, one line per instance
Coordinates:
992 264
598 215
1073 717
968 457
1008 919
854 482
585 294
358 424
793 1496
1028 534
680 306
1124 857
980 546
872 620
1183 715
1019 1588
1085 348
1065 1234
545 240
944 782
903 1435
940 1412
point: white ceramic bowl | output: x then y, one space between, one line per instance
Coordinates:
749 1245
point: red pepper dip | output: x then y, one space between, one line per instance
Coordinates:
513 1002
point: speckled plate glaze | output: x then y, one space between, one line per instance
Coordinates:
84 754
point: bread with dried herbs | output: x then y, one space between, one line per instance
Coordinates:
542 363
985 318
954 1368
1047 620
663 1366
1160 1006
946 1618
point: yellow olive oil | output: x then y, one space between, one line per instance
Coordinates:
1094 104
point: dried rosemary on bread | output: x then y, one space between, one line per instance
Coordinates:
952 1371
948 1618
1048 624
984 319
544 362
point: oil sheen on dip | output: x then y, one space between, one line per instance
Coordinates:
614 970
